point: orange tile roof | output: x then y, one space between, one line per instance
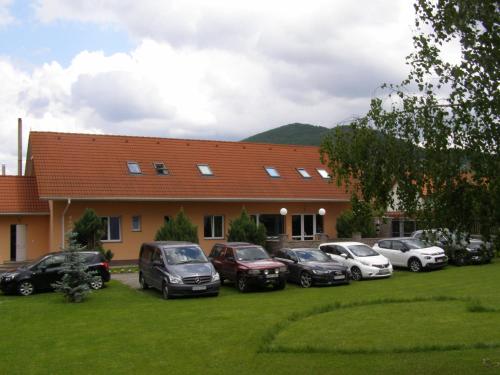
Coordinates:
19 194
90 166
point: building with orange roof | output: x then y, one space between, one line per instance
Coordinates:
136 183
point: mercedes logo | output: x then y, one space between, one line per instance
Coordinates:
197 280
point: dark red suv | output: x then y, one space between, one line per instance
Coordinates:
247 265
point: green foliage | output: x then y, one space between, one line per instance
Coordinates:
296 134
179 228
358 219
436 135
89 230
244 229
74 284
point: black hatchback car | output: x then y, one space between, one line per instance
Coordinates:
308 267
177 269
41 273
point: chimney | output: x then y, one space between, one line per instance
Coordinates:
19 146
3 169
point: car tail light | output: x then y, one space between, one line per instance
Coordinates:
105 265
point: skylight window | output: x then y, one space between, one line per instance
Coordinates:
160 168
303 172
205 170
133 167
323 173
273 172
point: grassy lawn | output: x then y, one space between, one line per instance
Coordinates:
410 324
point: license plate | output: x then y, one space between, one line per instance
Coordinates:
200 287
383 272
340 277
272 275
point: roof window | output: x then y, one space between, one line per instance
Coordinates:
133 167
323 173
303 172
273 172
160 168
205 170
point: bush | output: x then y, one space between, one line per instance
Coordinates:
88 231
244 229
74 284
179 228
358 219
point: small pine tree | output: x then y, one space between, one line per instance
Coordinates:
89 230
179 228
74 284
244 229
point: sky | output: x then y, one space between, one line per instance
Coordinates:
218 69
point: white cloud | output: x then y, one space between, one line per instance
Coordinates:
6 17
210 69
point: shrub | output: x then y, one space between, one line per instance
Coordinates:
179 228
74 284
89 230
344 225
358 219
244 229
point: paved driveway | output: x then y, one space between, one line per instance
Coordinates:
129 279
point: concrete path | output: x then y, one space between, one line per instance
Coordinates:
129 279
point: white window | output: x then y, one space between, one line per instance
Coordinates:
136 223
303 172
133 167
323 173
112 230
213 227
205 170
160 168
273 172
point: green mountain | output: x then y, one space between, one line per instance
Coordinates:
291 134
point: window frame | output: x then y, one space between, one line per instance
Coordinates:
268 168
139 229
160 167
212 227
305 177
131 162
200 166
320 170
108 229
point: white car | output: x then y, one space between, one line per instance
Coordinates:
360 259
412 253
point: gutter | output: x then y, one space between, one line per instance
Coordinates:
210 199
62 222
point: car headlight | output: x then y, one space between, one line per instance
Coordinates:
215 276
428 257
174 279
321 272
254 272
10 276
365 263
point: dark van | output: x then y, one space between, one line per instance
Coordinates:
177 269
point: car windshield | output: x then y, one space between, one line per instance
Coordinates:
251 253
185 254
415 244
311 256
362 251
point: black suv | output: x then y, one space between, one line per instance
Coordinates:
177 269
41 273
246 264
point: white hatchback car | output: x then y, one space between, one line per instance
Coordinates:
360 259
412 253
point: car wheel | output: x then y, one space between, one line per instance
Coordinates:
415 265
97 283
142 282
306 280
25 288
165 292
242 284
356 274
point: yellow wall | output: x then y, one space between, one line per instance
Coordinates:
152 214
37 239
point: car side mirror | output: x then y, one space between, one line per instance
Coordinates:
343 256
230 259
158 263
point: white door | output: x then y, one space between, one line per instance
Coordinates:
303 227
20 242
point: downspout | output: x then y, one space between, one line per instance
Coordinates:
62 222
